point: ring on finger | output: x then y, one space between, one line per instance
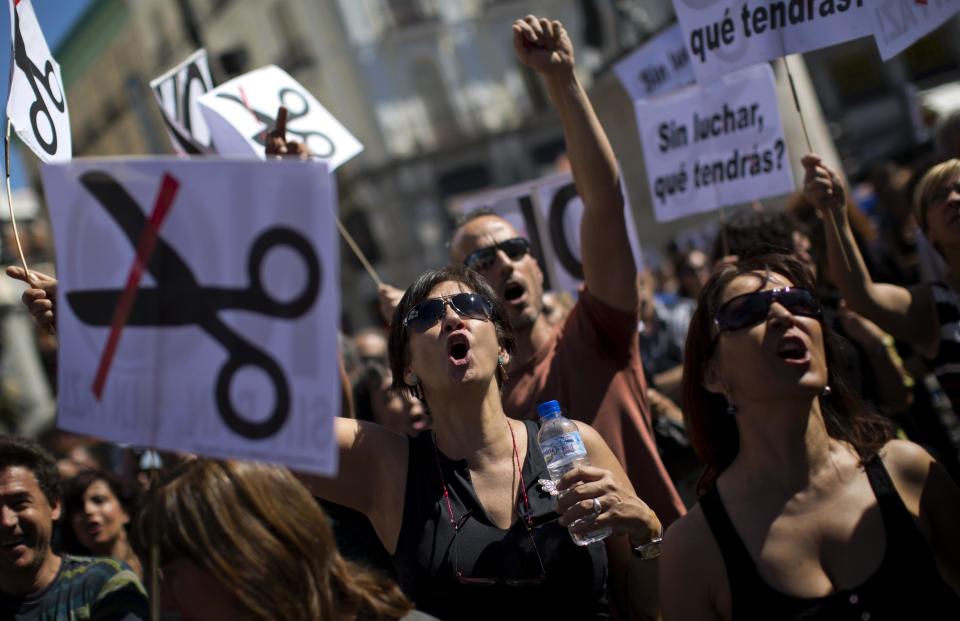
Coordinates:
597 507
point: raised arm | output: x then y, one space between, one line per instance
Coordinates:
907 314
608 266
371 476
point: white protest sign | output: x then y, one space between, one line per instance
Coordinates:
177 92
900 23
562 211
190 318
659 66
241 112
37 104
713 145
726 35
548 212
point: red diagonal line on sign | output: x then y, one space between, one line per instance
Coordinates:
246 104
145 247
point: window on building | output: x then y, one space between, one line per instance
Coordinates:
406 12
295 54
430 86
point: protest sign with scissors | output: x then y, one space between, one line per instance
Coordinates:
242 111
37 104
221 337
177 92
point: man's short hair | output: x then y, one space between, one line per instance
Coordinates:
480 212
28 454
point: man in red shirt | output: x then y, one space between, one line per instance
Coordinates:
590 363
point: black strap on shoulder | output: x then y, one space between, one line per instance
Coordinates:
740 566
896 517
744 581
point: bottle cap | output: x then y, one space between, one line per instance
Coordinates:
548 410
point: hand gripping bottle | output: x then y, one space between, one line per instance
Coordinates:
563 450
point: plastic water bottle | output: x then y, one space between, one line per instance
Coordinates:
563 450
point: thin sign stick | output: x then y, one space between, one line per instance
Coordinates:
356 250
806 136
13 218
281 131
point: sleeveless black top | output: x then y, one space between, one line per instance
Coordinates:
907 585
571 584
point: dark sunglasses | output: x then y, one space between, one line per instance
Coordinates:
481 259
752 308
424 315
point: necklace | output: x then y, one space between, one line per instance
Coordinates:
454 522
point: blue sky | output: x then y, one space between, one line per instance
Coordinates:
55 17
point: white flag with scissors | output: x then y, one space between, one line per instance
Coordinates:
37 104
242 111
192 319
177 92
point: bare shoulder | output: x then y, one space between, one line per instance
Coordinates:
907 462
909 466
588 434
693 578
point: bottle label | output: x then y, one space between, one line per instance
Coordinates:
562 447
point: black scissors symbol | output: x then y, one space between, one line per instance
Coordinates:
319 143
33 74
179 300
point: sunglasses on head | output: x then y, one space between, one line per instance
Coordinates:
424 315
752 308
481 259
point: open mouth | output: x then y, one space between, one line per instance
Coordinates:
419 422
13 543
793 349
513 291
458 348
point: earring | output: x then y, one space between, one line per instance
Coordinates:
731 409
414 380
500 360
827 391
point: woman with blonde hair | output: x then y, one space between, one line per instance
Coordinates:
926 315
242 540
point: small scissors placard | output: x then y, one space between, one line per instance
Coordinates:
242 111
37 104
197 306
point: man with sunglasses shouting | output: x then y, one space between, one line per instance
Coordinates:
590 363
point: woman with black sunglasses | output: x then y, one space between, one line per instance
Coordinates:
808 509
466 510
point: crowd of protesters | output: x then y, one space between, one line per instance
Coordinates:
772 424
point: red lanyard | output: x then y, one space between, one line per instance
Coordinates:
446 493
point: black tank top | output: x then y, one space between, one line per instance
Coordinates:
907 585
572 584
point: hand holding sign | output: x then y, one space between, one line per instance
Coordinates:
822 187
40 298
277 144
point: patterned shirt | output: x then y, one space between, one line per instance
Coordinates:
99 589
946 365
